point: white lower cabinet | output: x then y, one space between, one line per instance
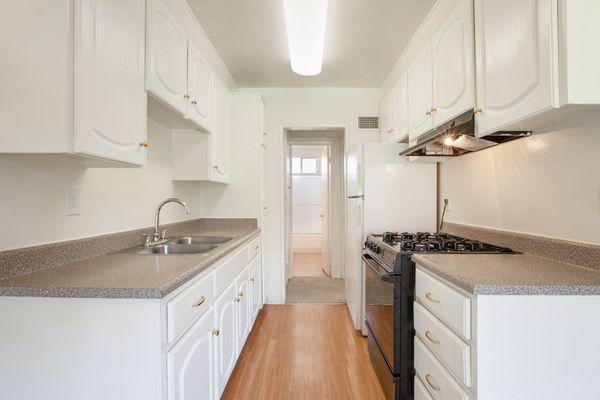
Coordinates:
225 316
242 310
191 363
255 289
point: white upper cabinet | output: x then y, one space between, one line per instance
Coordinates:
454 65
200 88
110 102
515 60
400 110
167 61
191 363
74 84
387 118
420 94
219 138
537 62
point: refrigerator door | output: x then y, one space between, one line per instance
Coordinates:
354 235
399 195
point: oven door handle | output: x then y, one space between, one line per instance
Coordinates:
386 277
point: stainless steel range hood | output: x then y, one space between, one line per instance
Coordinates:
457 137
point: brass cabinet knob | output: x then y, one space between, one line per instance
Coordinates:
194 102
215 332
241 294
144 143
430 383
251 280
430 297
430 337
237 299
427 112
200 301
433 109
477 110
186 96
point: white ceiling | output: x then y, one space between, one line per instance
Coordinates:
364 39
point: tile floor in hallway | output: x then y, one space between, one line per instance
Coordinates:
304 352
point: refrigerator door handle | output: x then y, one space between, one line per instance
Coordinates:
358 196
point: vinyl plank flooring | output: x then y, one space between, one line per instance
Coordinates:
304 352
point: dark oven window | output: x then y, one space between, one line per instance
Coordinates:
379 307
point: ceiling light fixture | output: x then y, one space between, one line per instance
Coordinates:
305 22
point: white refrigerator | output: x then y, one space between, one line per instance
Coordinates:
385 192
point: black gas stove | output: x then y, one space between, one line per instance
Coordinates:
389 296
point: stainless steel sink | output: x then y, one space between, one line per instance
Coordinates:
166 249
193 240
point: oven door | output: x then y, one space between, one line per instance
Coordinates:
379 307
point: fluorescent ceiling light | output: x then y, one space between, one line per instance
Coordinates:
305 22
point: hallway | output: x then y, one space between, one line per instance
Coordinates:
304 352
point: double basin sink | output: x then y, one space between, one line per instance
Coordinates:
183 245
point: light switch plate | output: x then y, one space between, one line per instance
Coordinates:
72 201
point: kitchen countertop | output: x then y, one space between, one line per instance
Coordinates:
511 274
125 275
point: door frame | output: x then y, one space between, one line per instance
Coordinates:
334 136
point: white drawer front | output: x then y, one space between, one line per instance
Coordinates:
230 269
446 303
420 392
434 376
188 306
444 343
254 249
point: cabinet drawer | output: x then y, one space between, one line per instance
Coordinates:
444 302
186 307
253 249
230 269
420 392
445 344
434 376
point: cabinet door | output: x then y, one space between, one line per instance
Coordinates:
167 57
200 89
420 95
514 60
219 138
243 310
225 316
110 101
191 362
454 65
255 290
400 110
387 117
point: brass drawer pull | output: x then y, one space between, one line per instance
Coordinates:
431 298
428 379
144 144
199 302
194 102
237 299
215 332
251 280
430 337
241 294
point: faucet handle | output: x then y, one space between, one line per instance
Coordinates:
163 234
148 238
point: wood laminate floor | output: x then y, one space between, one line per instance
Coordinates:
304 352
308 264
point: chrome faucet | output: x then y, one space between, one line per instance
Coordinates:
159 237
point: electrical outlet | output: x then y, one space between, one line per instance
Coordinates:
72 201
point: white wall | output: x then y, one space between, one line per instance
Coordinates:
32 197
302 107
547 185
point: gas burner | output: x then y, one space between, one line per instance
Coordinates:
390 237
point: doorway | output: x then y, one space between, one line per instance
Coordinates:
314 216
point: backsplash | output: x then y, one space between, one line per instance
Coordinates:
546 185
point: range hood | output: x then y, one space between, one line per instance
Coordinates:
457 137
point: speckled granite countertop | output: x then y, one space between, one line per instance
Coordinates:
511 274
124 275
